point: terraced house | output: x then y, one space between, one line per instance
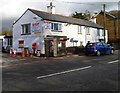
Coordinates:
112 25
48 32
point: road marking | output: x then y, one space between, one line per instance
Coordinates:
64 72
115 61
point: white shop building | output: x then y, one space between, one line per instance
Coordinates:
46 29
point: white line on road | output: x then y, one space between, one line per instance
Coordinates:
113 61
64 72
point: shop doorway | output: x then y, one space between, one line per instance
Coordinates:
55 46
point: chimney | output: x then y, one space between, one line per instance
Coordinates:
51 8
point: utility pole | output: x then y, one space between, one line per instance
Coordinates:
104 22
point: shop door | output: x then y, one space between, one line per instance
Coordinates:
49 48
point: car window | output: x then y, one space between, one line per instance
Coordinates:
99 44
91 44
104 44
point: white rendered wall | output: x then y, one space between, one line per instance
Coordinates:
28 39
69 30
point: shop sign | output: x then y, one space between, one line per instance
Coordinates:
36 27
47 24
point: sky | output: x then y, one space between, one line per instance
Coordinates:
13 9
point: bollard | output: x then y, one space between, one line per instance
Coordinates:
23 52
10 52
15 52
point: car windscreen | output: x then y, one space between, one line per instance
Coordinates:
90 44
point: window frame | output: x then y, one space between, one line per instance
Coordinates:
21 43
103 33
9 40
26 29
98 32
79 29
87 30
58 27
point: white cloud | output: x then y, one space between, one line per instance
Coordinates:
17 7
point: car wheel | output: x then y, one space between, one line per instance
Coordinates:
112 51
98 53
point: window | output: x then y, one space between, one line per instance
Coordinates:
99 44
79 30
9 41
87 30
98 32
56 27
26 29
21 43
81 43
103 33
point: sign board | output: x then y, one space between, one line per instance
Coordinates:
21 43
47 24
36 27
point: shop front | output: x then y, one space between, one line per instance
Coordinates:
55 45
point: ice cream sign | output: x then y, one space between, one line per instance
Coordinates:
36 27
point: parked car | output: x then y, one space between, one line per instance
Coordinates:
98 48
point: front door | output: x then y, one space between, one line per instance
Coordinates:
49 48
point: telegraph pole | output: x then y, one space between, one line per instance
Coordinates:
104 22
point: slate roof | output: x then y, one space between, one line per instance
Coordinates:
63 19
108 14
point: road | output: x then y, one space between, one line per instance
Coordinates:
78 73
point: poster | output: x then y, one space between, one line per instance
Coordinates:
36 27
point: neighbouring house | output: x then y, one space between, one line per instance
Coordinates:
111 25
1 42
51 33
5 42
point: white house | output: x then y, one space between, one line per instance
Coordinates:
5 41
38 28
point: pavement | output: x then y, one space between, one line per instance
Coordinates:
6 60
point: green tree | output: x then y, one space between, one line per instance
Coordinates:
6 32
85 16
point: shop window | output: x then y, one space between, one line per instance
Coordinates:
26 29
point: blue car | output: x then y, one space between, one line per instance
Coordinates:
98 48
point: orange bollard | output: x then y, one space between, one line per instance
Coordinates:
15 52
10 52
23 54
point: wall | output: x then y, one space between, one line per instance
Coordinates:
28 39
111 26
69 30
